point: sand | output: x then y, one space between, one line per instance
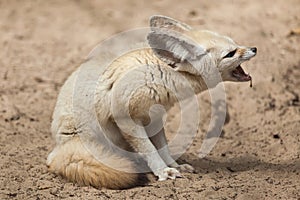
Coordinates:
257 157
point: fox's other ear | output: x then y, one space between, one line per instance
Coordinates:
173 47
160 21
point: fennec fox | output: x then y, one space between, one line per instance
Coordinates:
175 50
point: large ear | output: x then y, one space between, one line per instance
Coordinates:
173 47
160 21
170 45
176 50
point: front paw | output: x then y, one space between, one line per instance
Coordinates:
168 173
186 168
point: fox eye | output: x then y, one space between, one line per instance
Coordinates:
230 54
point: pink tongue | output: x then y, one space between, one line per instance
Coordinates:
240 74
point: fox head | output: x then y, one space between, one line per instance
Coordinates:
198 52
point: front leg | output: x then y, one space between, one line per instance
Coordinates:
141 143
160 142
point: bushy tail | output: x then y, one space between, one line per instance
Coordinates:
73 161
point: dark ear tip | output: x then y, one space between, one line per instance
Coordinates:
161 21
153 17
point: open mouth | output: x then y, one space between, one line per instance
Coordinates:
240 74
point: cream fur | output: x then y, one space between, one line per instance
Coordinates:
154 75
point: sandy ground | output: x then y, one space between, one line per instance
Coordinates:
42 42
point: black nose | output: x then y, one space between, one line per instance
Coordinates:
254 49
